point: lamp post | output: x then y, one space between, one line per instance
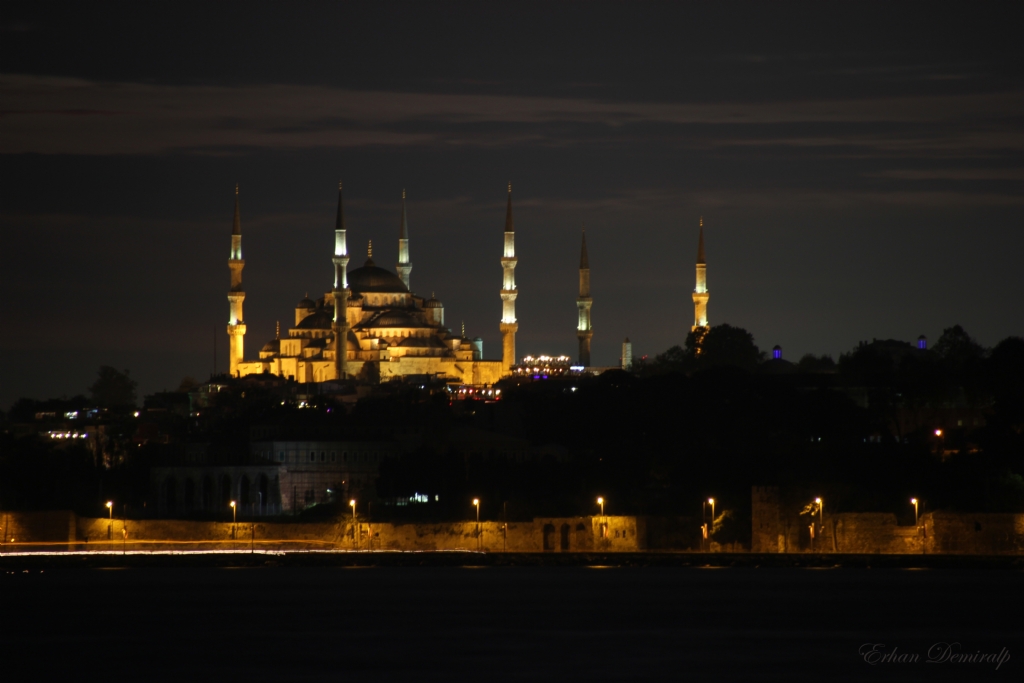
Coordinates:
355 531
600 501
914 503
703 523
476 504
110 526
711 529
234 518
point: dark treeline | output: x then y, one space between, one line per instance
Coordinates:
712 418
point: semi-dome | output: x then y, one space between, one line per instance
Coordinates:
306 303
321 320
432 303
395 318
370 278
272 346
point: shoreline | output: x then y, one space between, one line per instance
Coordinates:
39 561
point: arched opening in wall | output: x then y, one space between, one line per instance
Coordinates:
564 537
243 491
263 488
189 500
170 495
549 537
225 490
208 493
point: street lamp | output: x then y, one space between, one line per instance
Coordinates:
234 513
600 501
914 502
821 512
476 504
110 527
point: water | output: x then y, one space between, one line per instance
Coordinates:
299 623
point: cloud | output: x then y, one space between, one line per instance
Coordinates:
49 115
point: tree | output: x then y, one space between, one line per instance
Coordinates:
724 345
812 363
957 348
113 389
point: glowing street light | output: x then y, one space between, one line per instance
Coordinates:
234 513
913 502
476 504
938 432
352 504
821 513
600 501
110 528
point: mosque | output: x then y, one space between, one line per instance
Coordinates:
371 326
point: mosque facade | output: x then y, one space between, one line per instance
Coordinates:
371 325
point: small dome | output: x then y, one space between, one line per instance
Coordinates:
272 346
432 303
306 303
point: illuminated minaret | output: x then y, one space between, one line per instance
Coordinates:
236 295
508 291
341 292
404 267
700 292
583 329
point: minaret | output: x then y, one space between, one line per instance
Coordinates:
700 292
404 267
341 292
583 329
509 326
236 295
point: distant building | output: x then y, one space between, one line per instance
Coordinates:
278 477
371 324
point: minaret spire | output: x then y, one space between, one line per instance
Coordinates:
583 330
508 325
341 292
700 243
700 292
236 295
404 267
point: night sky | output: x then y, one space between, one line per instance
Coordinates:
859 170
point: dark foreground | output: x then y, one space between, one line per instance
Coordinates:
504 623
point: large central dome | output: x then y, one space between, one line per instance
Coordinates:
370 278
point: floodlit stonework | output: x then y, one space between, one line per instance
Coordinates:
371 325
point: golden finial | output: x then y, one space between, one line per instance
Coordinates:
463 329
277 334
510 187
339 186
236 189
403 194
369 250
702 221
